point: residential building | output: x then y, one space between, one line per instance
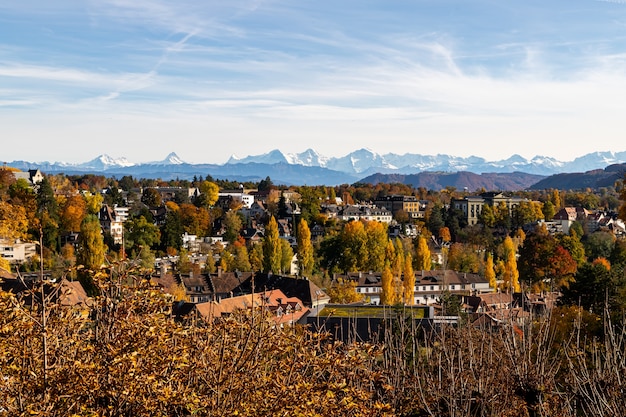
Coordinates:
365 212
429 285
17 251
415 208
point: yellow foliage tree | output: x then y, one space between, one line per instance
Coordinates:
490 272
13 221
423 258
511 274
409 280
388 290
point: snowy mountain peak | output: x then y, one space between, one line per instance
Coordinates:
273 157
104 162
170 159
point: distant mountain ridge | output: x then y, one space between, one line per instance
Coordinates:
311 168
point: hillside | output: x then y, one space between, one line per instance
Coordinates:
593 179
460 180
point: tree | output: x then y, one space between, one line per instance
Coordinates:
286 256
487 216
574 246
172 231
409 280
91 247
599 244
388 291
511 274
376 241
13 221
548 210
195 220
151 197
592 287
140 233
93 203
304 249
73 212
423 260
490 273
353 247
463 258
232 224
256 257
444 235
209 193
344 292
272 255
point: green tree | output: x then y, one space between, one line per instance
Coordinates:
304 249
487 216
140 233
90 253
48 214
172 231
272 255
574 246
286 256
232 225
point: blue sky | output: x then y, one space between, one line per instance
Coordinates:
208 79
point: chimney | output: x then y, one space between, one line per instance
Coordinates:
219 271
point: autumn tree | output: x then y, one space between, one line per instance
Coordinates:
511 273
388 291
543 262
423 260
93 202
209 194
151 197
13 221
463 258
490 273
343 292
376 241
73 212
304 249
255 254
195 220
408 283
272 255
353 246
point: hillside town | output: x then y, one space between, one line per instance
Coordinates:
344 261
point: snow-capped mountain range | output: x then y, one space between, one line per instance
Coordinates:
365 161
309 167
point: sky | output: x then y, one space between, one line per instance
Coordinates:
210 79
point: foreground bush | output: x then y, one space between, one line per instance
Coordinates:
126 356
